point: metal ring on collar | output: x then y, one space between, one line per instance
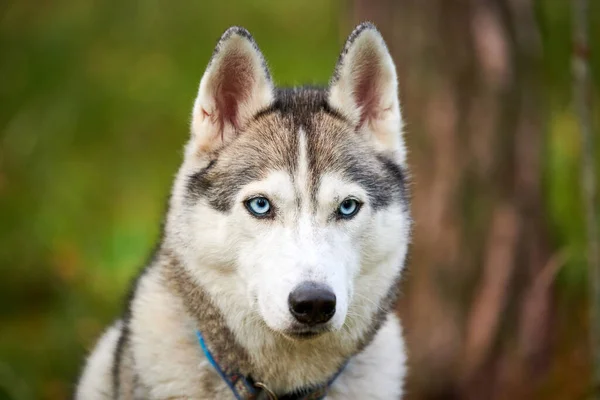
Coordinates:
266 389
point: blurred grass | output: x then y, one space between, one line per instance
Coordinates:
563 142
95 100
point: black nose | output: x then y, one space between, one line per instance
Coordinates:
312 303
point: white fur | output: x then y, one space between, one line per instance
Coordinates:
373 374
249 266
96 381
170 361
163 342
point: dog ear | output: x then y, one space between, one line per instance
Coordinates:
364 87
235 86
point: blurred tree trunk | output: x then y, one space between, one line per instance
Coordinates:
471 93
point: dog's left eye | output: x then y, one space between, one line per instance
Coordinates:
348 208
258 206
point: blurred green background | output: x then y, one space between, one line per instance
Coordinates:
95 102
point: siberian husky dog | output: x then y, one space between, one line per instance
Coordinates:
287 231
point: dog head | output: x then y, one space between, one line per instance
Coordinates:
291 204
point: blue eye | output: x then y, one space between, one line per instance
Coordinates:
258 206
348 208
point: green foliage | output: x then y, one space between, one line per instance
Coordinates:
563 141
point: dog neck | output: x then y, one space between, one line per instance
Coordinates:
324 355
232 356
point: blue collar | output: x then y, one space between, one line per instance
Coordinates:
244 388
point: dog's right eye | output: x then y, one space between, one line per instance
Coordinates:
259 206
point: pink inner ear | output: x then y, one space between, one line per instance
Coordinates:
233 88
366 90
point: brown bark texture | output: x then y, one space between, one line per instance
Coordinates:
478 299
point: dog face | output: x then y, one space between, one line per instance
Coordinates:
291 204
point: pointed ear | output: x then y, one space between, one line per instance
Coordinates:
364 87
235 86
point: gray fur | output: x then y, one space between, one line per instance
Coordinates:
269 143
